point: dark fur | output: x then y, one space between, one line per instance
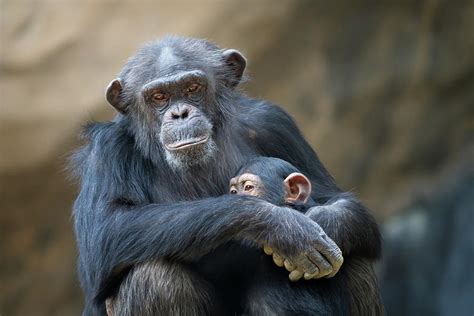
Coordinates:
356 283
134 208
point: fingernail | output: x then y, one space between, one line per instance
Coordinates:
288 265
268 250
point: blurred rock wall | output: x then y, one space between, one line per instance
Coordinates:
429 251
383 90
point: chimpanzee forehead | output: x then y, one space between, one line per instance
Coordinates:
168 57
173 59
156 61
170 60
249 177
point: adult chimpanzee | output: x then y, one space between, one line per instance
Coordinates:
152 180
280 183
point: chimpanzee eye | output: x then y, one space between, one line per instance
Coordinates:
194 87
159 97
248 187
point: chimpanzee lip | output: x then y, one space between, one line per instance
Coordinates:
182 144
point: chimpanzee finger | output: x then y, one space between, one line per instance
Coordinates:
333 273
309 276
304 264
332 253
295 275
290 266
267 249
324 266
278 259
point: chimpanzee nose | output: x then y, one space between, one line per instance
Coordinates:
180 112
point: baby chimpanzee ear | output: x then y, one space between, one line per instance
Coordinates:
297 187
113 95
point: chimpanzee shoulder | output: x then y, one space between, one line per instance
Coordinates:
108 162
273 132
256 109
262 119
100 139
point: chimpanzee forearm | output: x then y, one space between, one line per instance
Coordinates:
350 225
186 231
182 231
125 236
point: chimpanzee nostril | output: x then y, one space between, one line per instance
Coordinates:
180 113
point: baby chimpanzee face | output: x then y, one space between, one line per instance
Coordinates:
273 180
247 184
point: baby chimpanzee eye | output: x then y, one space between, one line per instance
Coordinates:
248 187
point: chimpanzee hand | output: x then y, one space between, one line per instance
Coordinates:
318 257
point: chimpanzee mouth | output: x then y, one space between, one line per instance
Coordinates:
187 143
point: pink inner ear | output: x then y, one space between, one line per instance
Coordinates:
298 187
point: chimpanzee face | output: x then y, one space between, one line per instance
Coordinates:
172 99
182 106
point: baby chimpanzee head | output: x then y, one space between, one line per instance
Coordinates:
272 179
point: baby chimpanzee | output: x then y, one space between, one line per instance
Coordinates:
353 290
279 183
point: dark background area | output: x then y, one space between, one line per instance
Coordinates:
383 90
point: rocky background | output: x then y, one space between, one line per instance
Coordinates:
383 90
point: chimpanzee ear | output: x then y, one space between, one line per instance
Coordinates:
236 63
298 188
113 95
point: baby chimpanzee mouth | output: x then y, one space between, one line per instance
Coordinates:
182 144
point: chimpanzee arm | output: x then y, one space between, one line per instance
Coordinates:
344 219
115 239
350 225
112 238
